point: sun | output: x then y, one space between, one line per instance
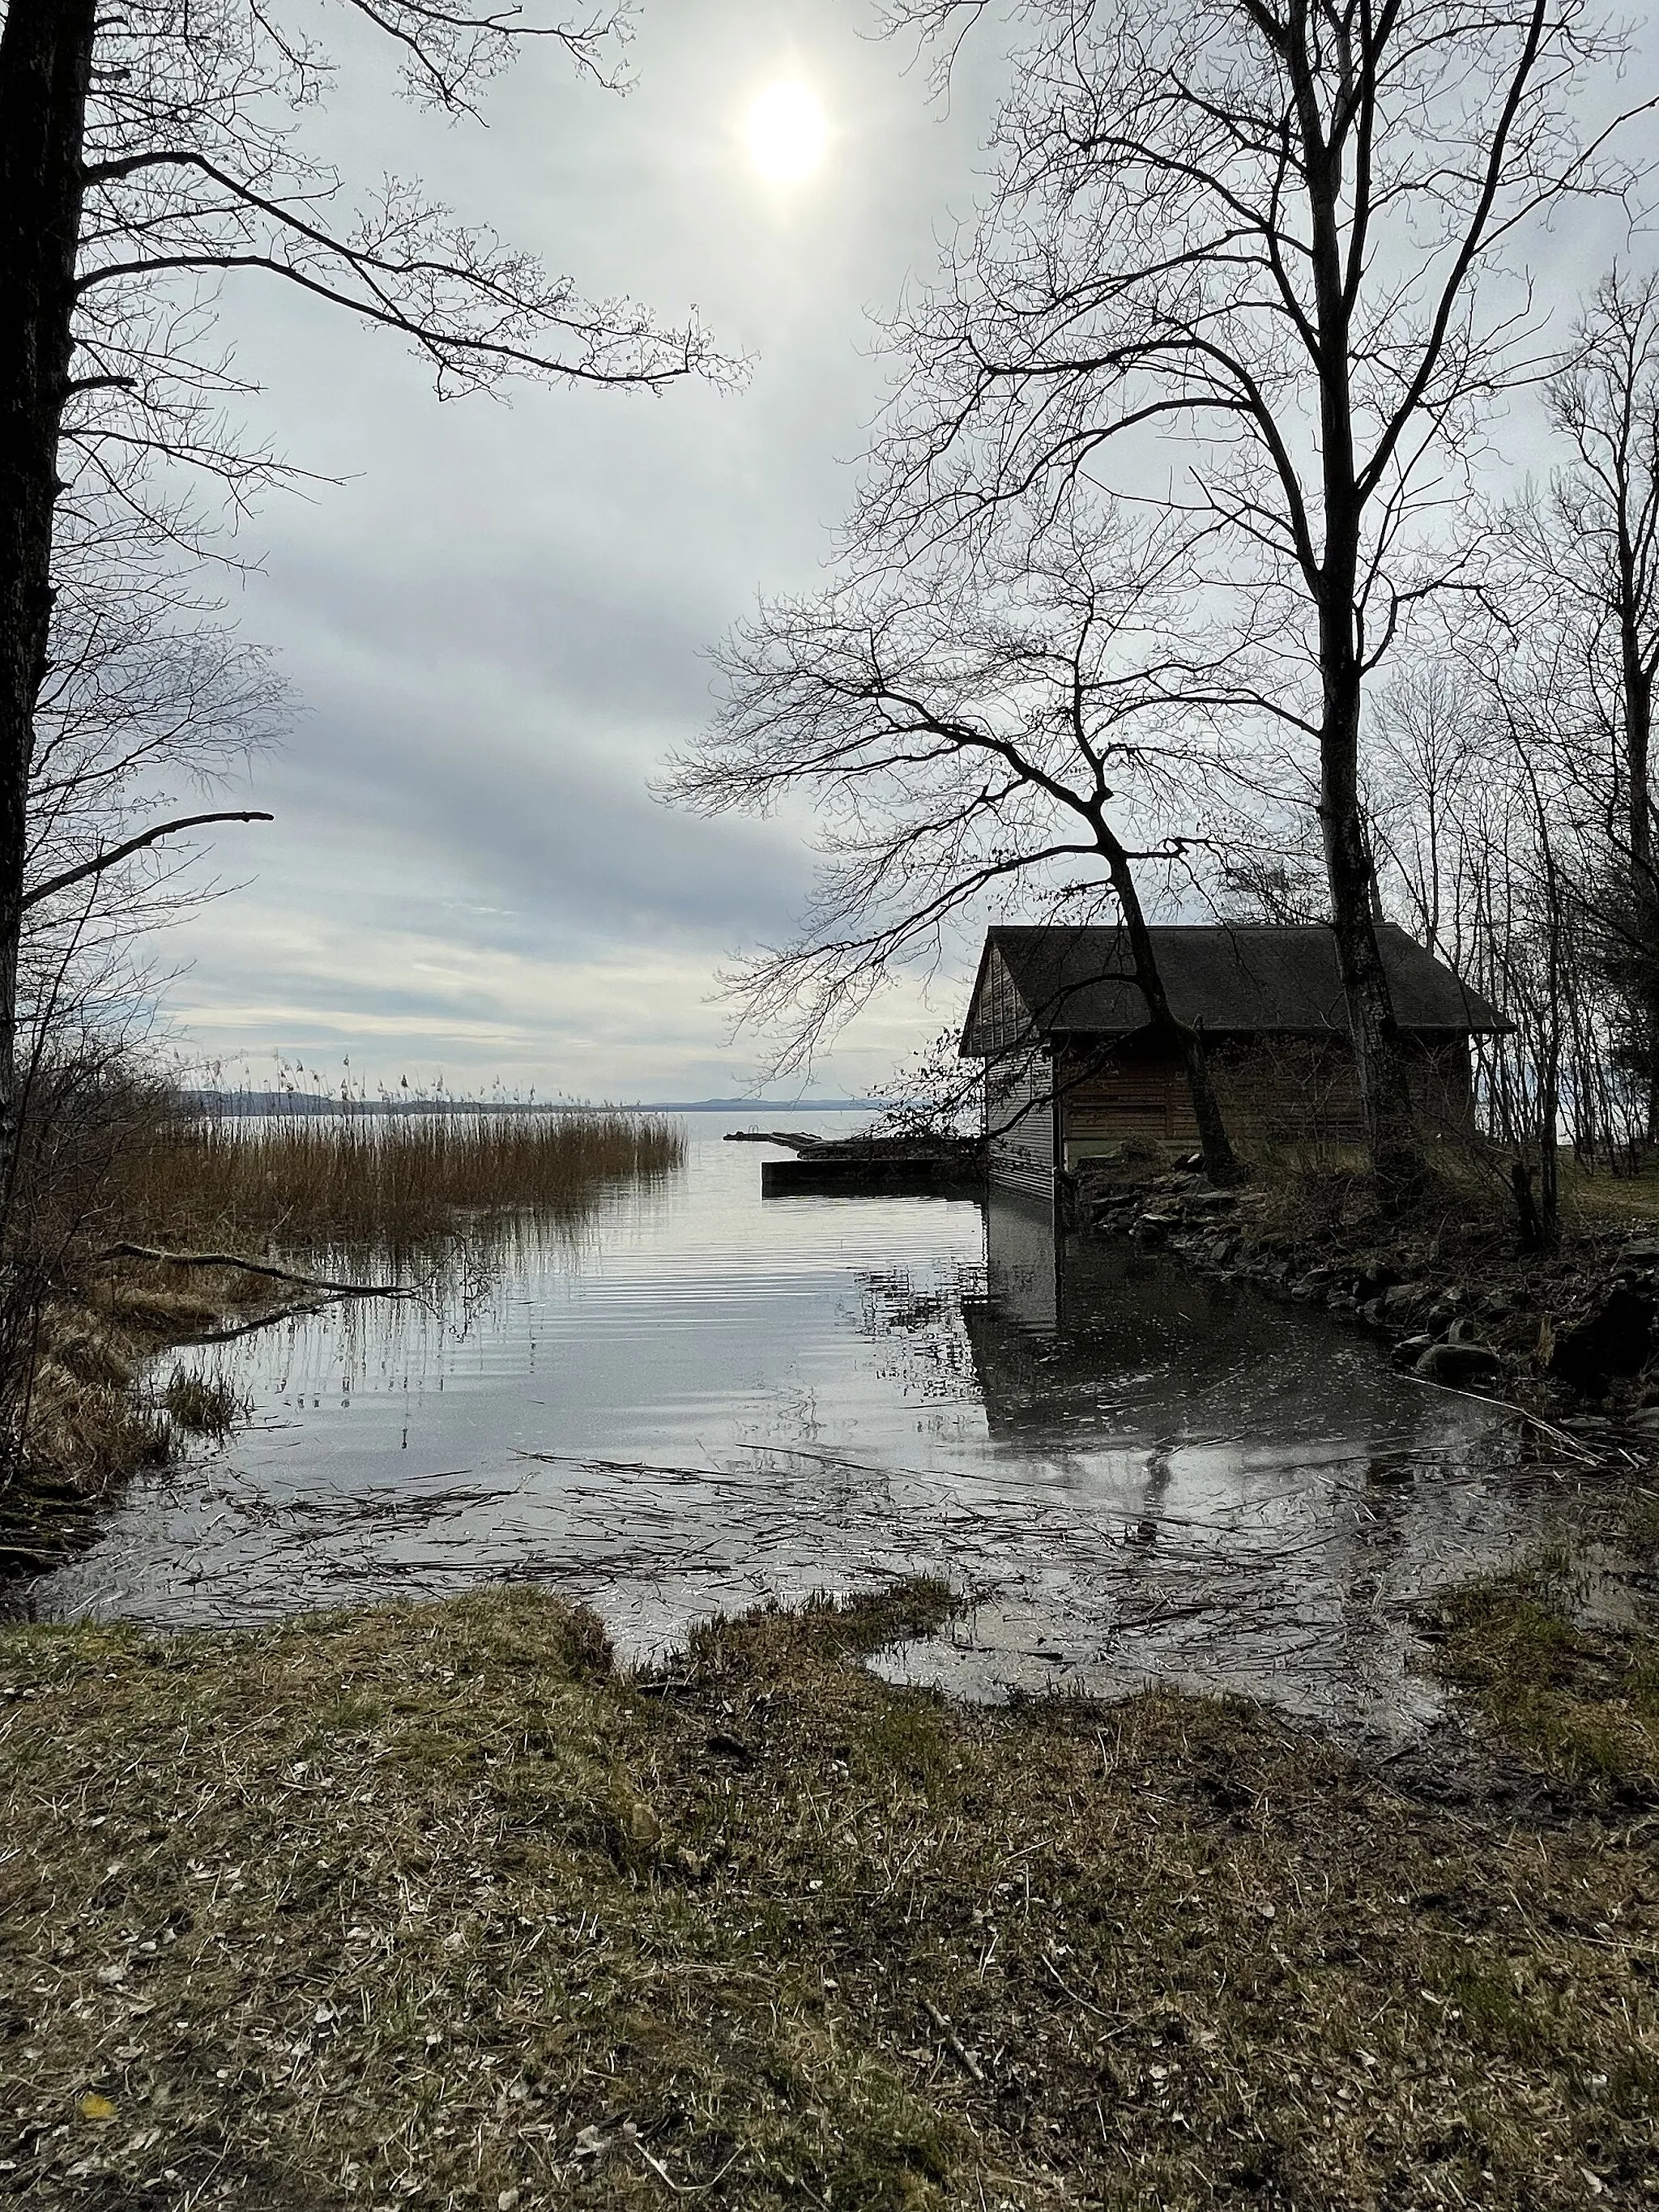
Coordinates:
787 133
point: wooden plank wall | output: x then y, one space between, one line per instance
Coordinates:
1294 1091
1020 1122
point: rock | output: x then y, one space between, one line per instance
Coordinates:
1644 1421
1212 1201
1460 1366
1642 1252
1152 1228
1614 1340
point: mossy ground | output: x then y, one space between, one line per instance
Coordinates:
428 1906
1560 1656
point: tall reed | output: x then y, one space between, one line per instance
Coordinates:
303 1181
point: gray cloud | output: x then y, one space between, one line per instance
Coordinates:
497 618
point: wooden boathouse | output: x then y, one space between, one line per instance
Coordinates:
1072 1070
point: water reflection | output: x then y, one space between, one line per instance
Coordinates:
702 1401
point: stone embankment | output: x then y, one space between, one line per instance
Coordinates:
1576 1327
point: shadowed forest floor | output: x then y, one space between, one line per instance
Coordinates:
430 1906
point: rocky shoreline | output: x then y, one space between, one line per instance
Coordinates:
1572 1331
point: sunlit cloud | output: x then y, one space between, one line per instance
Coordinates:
787 133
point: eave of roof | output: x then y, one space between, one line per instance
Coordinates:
1232 980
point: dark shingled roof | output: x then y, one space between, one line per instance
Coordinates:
1240 979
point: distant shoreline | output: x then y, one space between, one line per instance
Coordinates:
235 1102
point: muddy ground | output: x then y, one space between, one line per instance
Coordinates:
431 1907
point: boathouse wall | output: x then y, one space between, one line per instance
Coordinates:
1020 1122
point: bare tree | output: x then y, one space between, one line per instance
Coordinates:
146 154
150 702
1251 260
961 732
1582 563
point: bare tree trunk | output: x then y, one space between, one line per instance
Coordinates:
46 68
1220 1161
1391 1134
1638 739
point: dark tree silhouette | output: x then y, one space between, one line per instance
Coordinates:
1254 261
961 730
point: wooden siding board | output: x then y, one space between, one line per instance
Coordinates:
1019 1121
1295 1091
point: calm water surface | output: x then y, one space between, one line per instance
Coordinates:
700 1401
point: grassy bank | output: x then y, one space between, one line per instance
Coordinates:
428 1907
1558 1655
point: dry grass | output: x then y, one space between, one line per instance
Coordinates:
425 1907
92 1419
305 1182
317 1190
1597 1200
1560 1655
202 1405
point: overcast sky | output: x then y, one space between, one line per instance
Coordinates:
495 622
497 625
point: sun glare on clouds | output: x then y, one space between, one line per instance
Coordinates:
787 133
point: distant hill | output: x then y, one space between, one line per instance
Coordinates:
309 1102
763 1106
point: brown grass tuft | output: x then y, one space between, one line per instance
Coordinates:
424 1907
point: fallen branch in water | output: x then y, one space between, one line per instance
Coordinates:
258 1267
302 1309
1573 1446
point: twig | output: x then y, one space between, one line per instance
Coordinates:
685 2188
256 1267
303 1310
955 2041
1111 2018
29 1559
1558 1437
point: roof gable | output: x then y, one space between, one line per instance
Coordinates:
1064 978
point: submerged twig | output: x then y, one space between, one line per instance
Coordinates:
301 1312
1558 1437
258 1267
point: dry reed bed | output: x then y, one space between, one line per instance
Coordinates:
376 1196
426 1907
305 1181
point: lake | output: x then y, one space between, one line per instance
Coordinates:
698 1401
